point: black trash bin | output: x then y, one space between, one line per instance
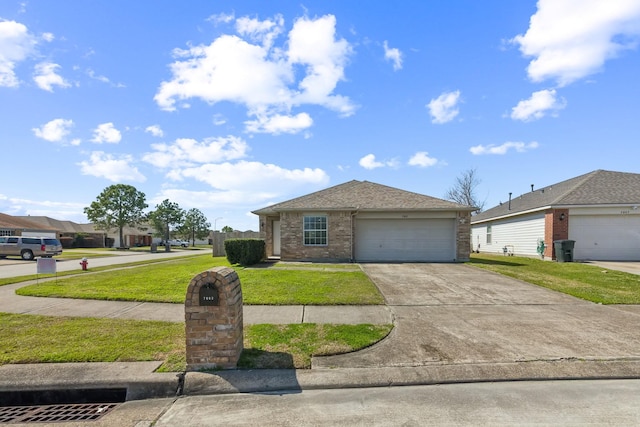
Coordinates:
154 248
564 250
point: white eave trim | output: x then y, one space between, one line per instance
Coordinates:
519 213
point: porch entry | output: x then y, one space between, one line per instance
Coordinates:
276 238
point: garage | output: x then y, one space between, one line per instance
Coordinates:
392 240
606 237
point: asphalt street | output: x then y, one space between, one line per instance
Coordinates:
13 267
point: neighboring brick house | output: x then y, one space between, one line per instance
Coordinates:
364 221
71 234
598 210
18 226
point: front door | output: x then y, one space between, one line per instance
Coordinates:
276 238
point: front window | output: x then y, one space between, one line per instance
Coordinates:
315 230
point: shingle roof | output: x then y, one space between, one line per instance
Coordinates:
8 221
599 187
363 196
61 226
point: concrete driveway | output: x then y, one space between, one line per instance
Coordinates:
458 314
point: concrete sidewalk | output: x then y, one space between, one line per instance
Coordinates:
252 314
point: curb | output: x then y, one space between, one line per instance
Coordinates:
253 381
138 378
141 382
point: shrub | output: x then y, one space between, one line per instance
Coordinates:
244 251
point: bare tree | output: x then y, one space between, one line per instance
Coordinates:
464 190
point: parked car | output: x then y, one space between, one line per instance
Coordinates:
177 242
29 247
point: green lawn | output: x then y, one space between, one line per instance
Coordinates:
43 339
581 280
168 281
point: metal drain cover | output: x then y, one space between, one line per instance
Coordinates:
54 413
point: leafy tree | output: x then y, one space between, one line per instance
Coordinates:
195 226
464 190
227 229
117 206
165 218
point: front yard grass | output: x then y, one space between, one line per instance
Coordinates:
167 282
44 339
581 280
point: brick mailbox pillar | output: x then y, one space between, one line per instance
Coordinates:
213 317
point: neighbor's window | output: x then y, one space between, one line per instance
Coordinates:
315 230
488 234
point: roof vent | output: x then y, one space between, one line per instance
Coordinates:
532 188
509 201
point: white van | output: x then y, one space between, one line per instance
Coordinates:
29 247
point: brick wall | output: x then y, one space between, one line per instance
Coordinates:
463 236
339 238
555 228
214 332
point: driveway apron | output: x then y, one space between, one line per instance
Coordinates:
458 314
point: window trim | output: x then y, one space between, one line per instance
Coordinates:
305 237
489 234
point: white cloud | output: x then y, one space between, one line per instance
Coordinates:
277 124
54 131
106 132
264 32
254 177
571 39
155 130
16 45
46 77
115 169
224 18
422 160
538 105
55 209
103 79
48 37
260 76
394 55
185 151
312 43
520 147
215 199
219 119
444 108
369 162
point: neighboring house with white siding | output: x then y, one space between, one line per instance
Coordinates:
600 211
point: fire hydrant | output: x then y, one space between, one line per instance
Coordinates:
84 263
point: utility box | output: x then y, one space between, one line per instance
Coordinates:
564 250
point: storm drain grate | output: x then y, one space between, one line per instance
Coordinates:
54 413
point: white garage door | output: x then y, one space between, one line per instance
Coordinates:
605 237
405 240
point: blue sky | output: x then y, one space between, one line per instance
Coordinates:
230 106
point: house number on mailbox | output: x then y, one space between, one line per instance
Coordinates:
208 294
